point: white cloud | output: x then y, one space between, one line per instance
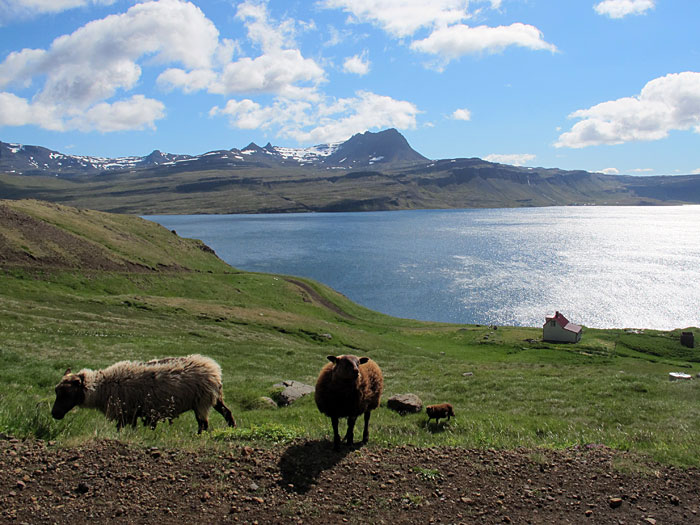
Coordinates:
514 159
461 114
696 172
17 111
281 69
402 18
622 8
87 75
10 9
610 171
83 70
642 170
667 103
458 40
449 37
357 64
329 120
137 112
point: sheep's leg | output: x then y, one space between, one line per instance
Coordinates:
224 411
349 436
202 422
365 434
336 435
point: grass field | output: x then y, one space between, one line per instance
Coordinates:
509 388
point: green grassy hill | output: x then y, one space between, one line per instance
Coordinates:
80 288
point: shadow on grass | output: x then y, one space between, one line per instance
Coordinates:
436 428
301 464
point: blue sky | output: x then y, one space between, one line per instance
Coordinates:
600 85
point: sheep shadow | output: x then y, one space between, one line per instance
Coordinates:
302 464
436 428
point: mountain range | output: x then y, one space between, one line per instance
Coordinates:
362 150
369 171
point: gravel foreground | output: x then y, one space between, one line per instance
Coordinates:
307 482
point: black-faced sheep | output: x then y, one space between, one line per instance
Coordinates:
347 387
153 391
439 411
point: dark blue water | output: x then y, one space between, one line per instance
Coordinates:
600 266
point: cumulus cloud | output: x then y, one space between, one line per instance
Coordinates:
357 64
622 8
83 70
281 69
87 75
449 36
454 41
514 159
402 18
10 9
610 171
330 120
665 104
461 114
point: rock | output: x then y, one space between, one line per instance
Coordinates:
468 374
264 402
405 403
615 502
291 391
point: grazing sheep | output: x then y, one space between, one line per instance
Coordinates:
153 391
347 387
439 411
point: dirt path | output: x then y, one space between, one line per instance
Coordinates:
315 296
306 482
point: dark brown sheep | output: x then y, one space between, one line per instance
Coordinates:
347 387
439 411
153 391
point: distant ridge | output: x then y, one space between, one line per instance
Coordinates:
368 172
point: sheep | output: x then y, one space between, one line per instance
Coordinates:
153 391
347 387
438 411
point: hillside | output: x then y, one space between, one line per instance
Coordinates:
370 171
569 431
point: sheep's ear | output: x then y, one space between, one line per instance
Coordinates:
66 372
363 360
332 358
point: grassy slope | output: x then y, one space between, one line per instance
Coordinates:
612 388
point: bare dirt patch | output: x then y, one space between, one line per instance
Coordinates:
307 482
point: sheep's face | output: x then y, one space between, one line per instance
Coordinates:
347 367
70 392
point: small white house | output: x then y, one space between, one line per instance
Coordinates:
558 329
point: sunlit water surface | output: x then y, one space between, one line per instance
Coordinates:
601 266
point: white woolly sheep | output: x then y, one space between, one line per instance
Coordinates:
347 387
153 391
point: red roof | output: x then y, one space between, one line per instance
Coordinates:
564 322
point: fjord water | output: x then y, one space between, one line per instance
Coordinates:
604 267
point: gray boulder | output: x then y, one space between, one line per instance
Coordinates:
290 391
405 403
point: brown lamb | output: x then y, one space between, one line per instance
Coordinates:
347 387
439 411
153 391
